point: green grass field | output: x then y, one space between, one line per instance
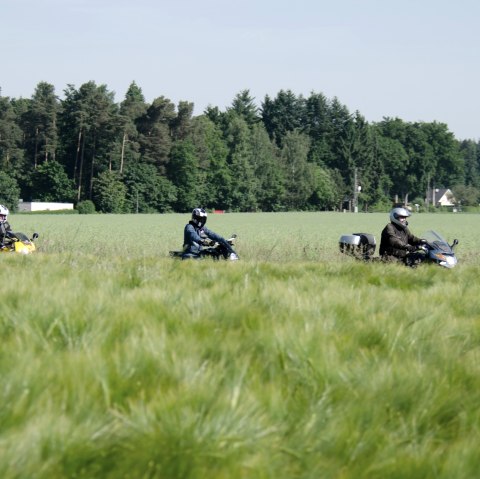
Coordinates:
295 362
270 237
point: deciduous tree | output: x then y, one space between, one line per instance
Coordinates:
109 193
51 183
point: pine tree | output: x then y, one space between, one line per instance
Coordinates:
243 106
299 173
183 173
244 185
12 159
40 125
214 178
132 108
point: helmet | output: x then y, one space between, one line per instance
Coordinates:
3 213
199 217
398 213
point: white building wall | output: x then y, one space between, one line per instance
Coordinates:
43 206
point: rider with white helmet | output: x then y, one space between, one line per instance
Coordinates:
3 214
196 235
4 224
397 240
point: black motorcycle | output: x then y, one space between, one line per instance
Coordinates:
212 249
435 249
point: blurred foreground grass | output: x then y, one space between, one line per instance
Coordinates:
117 362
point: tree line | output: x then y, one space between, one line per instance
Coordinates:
291 153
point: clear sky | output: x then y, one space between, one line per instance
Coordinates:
417 60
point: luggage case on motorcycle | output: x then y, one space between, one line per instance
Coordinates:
360 245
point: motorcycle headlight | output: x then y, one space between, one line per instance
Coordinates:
446 261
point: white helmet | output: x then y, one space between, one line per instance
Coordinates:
199 217
398 213
3 213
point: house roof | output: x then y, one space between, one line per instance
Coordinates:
439 192
442 196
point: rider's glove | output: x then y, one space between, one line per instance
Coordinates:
207 242
410 248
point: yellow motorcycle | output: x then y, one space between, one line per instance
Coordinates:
18 243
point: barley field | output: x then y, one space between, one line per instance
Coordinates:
294 362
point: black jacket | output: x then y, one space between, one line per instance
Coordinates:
4 227
395 240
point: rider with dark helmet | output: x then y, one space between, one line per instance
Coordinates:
397 240
196 236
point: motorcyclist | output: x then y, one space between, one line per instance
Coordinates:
196 236
5 227
397 241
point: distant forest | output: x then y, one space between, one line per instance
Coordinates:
291 153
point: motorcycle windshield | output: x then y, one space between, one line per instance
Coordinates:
437 241
19 236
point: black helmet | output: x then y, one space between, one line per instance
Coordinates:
398 213
199 217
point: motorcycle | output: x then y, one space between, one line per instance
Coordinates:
434 250
18 243
211 249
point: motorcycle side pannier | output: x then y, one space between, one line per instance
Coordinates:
360 245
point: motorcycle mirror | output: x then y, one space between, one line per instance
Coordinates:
34 236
